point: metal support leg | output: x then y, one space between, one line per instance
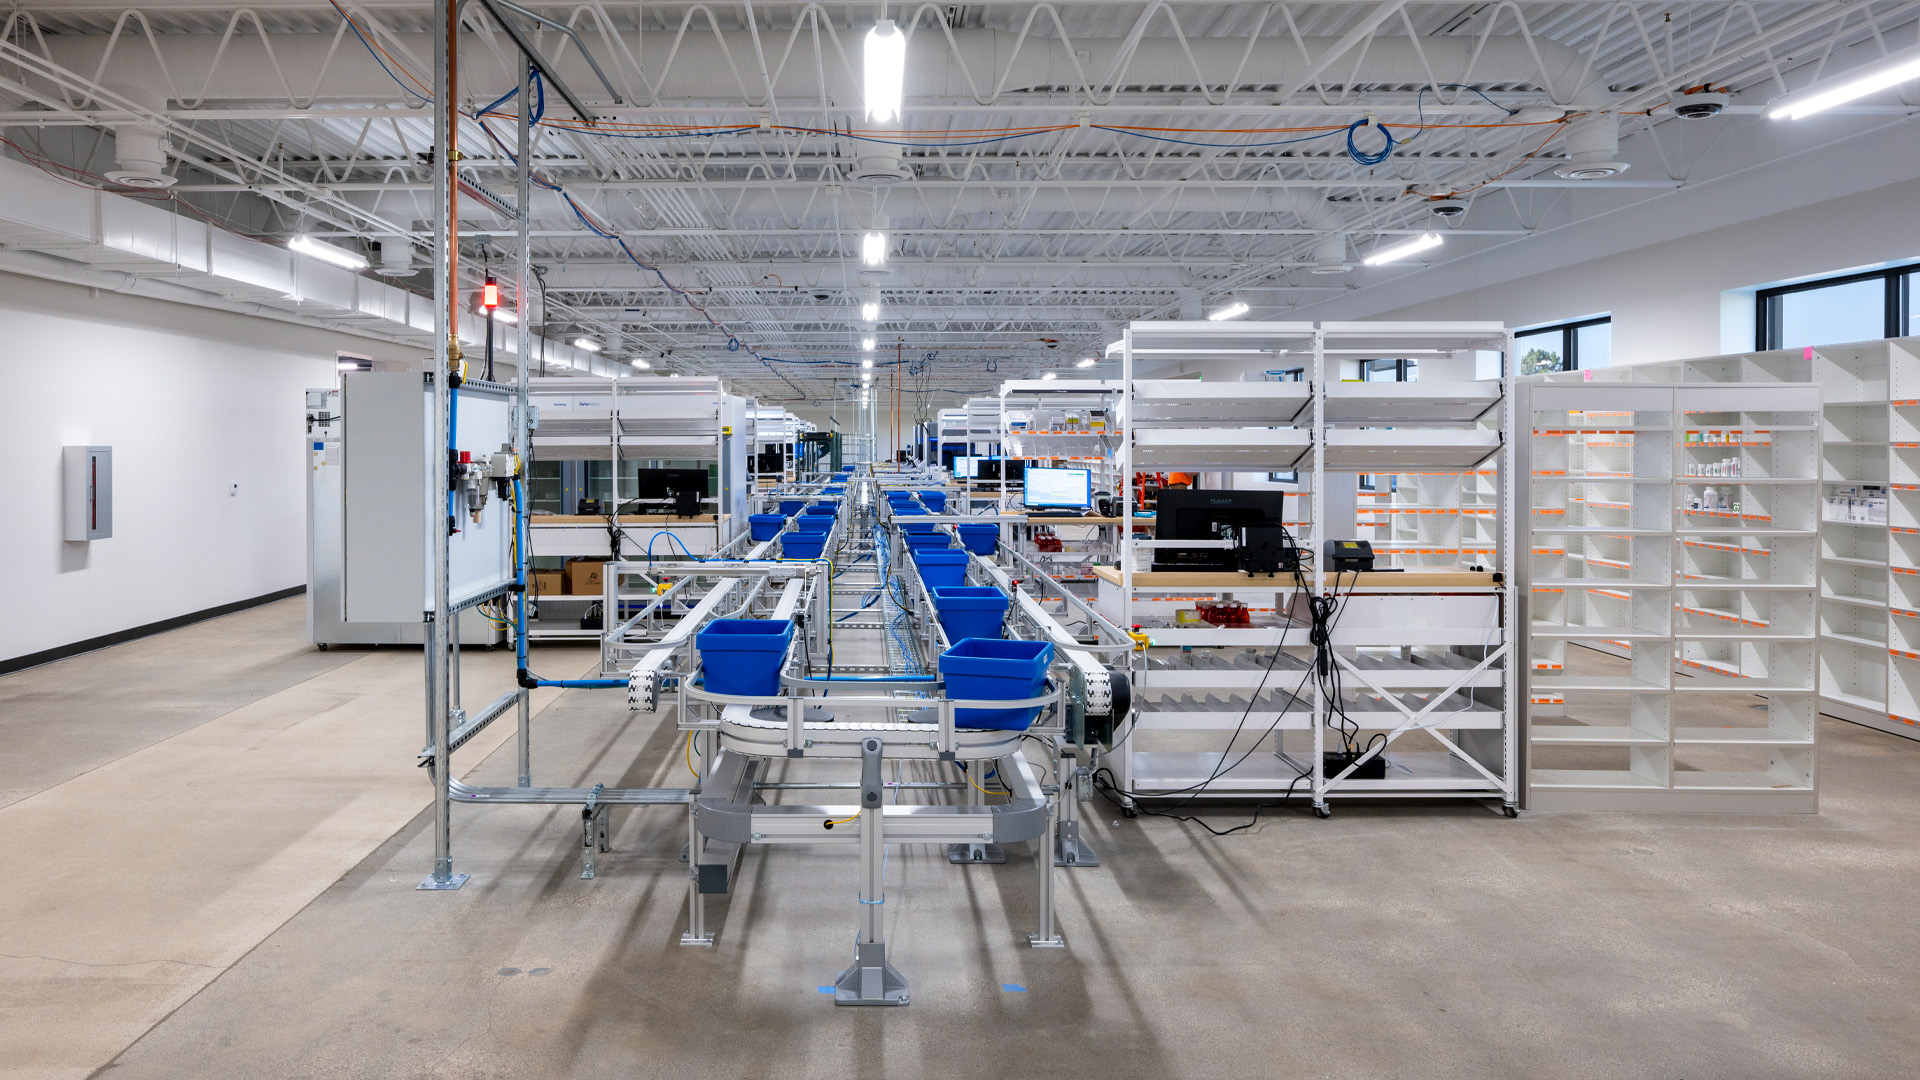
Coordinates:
975 851
593 832
871 980
1068 848
697 933
524 738
1048 937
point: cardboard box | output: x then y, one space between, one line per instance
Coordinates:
549 582
584 576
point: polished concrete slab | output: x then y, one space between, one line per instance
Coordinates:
131 885
147 690
184 911
1431 940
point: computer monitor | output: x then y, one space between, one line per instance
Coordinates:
1206 514
1061 489
1013 470
963 467
686 487
773 461
986 468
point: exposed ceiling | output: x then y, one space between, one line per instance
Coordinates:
1060 170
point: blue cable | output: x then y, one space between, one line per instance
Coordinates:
1222 146
1365 157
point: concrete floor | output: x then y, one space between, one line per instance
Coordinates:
1396 940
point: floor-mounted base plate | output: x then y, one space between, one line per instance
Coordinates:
871 980
990 854
1073 851
451 883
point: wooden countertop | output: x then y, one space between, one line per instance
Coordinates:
1411 579
625 519
1046 519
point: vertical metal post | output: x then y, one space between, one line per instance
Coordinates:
523 329
871 980
1317 447
438 687
696 904
1047 937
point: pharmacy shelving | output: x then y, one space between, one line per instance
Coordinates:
1677 670
1869 455
1425 653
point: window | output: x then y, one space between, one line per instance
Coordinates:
1390 370
1585 343
1299 374
1857 307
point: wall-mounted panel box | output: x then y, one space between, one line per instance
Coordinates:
87 482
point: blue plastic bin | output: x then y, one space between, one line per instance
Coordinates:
790 507
765 526
935 501
919 542
743 656
835 490
821 510
985 669
941 568
980 539
802 545
813 523
915 527
970 611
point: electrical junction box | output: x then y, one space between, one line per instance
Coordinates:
87 479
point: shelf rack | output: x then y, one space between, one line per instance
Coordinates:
1869 570
1426 658
1064 423
1671 643
625 419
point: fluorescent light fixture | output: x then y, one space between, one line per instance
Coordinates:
870 312
1858 83
1047 376
559 363
1231 311
500 315
866 345
586 344
873 249
327 253
886 70
1400 251
1088 362
640 362
867 362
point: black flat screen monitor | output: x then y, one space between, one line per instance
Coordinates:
665 483
1013 470
773 461
986 468
1206 514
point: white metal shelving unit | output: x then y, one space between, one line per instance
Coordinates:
1672 641
1869 559
1427 663
1064 423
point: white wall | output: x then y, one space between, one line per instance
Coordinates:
191 401
1667 298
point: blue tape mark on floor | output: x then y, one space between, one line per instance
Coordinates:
1015 988
826 989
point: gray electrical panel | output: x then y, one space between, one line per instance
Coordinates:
87 476
367 505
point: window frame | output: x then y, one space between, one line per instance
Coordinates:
1569 340
1896 301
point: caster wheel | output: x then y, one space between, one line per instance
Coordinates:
1129 812
323 646
1323 811
1512 811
